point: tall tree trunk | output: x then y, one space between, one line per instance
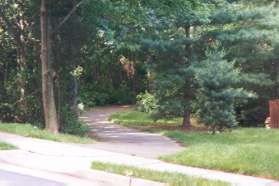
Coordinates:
21 65
50 114
188 90
186 119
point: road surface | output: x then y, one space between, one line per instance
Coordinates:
8 178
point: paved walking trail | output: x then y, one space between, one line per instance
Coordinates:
116 138
70 163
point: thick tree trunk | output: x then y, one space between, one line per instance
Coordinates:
186 120
50 114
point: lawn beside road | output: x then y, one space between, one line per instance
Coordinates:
172 179
5 146
28 130
251 151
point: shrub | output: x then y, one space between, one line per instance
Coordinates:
122 95
99 94
6 112
70 123
147 102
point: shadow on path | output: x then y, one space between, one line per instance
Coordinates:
115 138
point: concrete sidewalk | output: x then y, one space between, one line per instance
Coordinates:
58 162
73 159
18 176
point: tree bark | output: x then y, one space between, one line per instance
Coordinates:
50 114
188 90
21 65
186 120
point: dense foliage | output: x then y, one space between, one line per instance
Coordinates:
109 51
217 93
147 102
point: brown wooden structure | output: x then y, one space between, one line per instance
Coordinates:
274 113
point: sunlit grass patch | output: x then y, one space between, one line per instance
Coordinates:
6 146
172 179
251 151
28 130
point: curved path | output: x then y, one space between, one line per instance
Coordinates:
116 138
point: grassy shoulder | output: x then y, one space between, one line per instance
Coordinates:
172 179
5 146
251 151
28 130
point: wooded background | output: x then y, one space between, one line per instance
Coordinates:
189 54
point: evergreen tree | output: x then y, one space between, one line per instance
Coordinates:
218 92
173 52
182 42
247 30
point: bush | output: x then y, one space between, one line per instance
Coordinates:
122 95
253 114
103 93
147 102
6 112
70 123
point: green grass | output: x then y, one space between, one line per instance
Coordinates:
5 146
28 130
251 151
143 120
172 179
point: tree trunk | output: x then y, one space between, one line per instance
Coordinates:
188 90
186 120
20 42
21 82
74 96
50 114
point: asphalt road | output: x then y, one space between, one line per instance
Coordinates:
14 179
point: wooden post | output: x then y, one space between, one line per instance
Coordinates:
274 113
